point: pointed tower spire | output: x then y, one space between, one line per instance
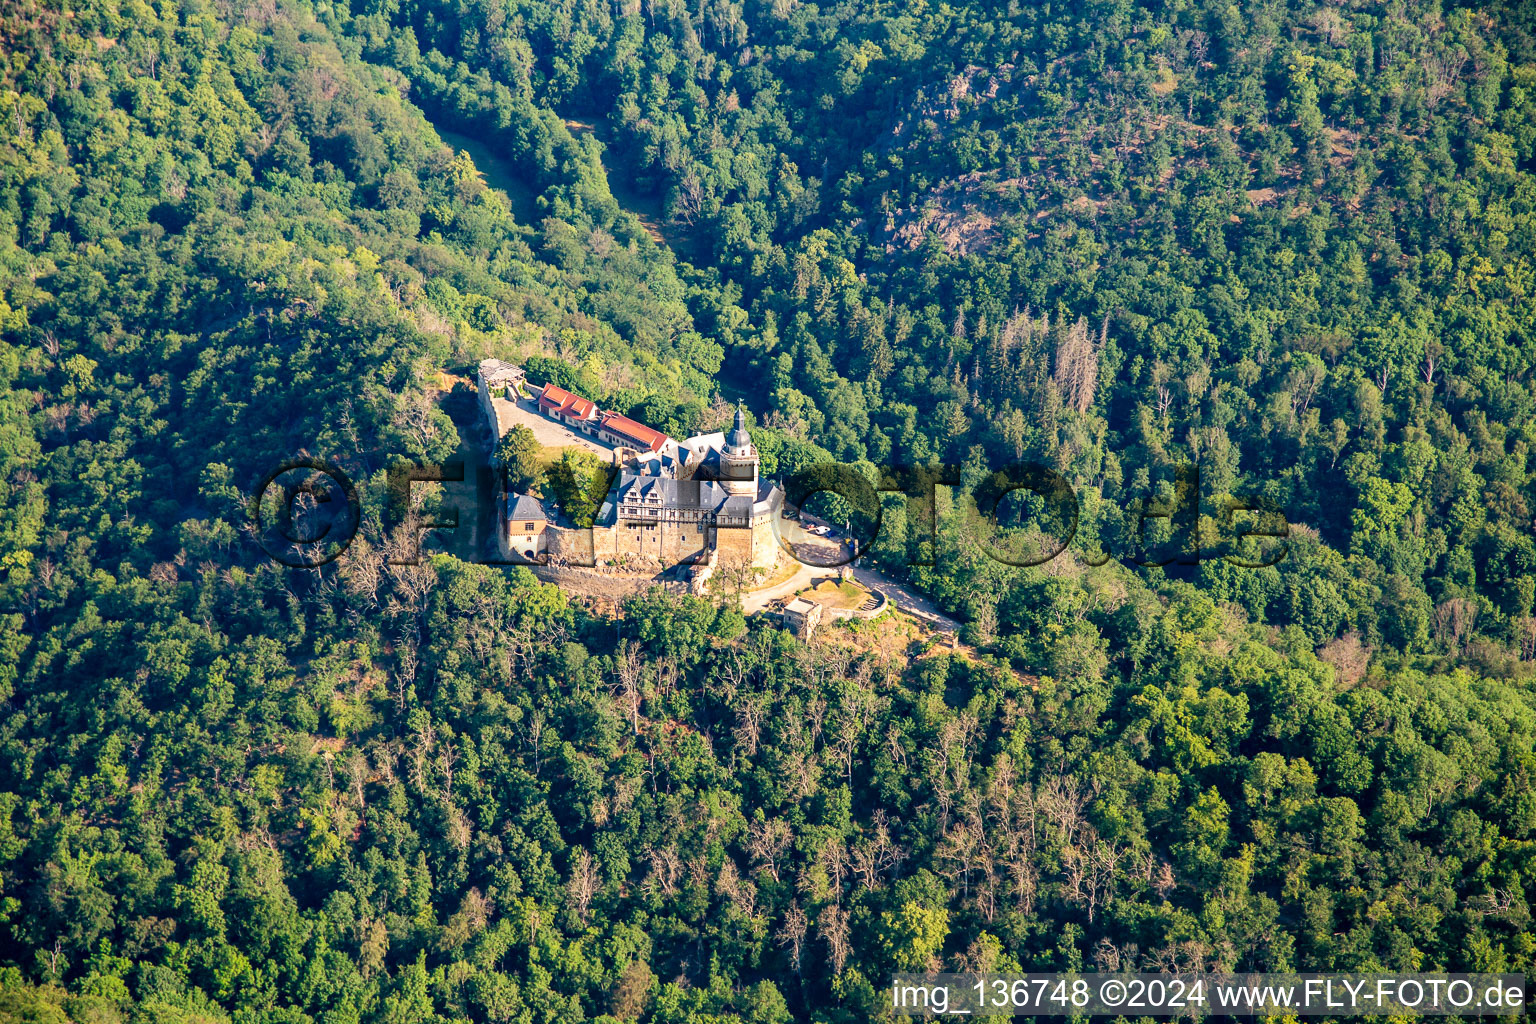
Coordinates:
738 462
739 438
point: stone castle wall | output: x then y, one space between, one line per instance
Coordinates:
664 544
574 547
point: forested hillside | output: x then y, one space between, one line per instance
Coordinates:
1289 243
1292 244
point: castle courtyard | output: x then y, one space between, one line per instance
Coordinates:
549 433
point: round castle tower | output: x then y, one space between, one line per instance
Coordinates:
738 460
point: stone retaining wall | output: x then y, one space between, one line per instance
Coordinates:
860 613
603 582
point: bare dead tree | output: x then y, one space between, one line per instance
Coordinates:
751 712
730 675
1187 957
690 198
833 857
1199 44
665 871
1442 70
873 855
1106 956
987 889
668 672
1454 620
426 739
1527 626
1062 800
1302 385
816 715
405 673
412 576
446 760
961 849
801 769
766 842
361 570
1077 366
1329 24
1013 814
583 883
384 763
459 832
741 893
1348 656
1089 872
1497 902
832 923
533 735
856 708
627 669
356 771
792 933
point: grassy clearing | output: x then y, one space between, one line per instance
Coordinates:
838 594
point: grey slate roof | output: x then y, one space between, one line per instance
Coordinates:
523 506
707 458
703 495
700 494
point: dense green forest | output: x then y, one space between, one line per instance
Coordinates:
1291 243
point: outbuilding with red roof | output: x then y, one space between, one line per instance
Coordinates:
621 430
558 403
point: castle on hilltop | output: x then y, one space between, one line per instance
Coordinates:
699 502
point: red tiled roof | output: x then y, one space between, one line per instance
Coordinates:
649 439
559 400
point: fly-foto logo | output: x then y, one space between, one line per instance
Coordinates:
306 512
